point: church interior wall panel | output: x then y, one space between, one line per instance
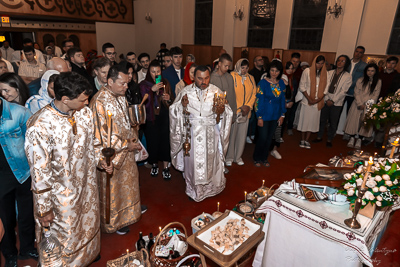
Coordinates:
87 39
283 21
376 25
204 54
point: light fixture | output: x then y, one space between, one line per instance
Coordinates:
148 18
335 10
239 14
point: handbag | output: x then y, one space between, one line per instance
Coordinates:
142 154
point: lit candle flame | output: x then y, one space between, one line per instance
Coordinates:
159 228
396 141
263 182
371 161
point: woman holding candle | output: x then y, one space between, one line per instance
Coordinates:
157 119
270 111
367 87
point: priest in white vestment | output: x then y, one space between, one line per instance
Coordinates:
203 168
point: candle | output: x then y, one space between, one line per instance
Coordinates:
395 144
225 94
245 194
109 125
263 183
127 251
160 229
366 175
218 206
361 152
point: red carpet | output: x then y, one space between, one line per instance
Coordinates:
167 201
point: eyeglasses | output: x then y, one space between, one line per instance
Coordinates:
111 53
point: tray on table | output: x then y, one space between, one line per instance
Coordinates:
197 240
329 176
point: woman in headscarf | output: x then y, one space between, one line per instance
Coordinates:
245 90
46 92
156 129
313 86
188 78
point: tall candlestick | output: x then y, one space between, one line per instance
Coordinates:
218 207
109 125
366 175
394 145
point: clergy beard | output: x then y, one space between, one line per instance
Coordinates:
202 86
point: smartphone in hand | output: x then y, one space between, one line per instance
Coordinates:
158 78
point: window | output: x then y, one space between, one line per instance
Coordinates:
308 24
261 23
203 22
394 42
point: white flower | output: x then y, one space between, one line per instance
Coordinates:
377 165
395 181
386 177
387 168
352 174
379 198
359 181
382 188
375 189
350 192
378 203
378 178
348 186
369 195
383 116
363 203
347 176
391 161
359 169
389 183
370 183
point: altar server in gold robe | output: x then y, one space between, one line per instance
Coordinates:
124 201
203 168
59 148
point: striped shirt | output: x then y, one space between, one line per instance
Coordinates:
31 70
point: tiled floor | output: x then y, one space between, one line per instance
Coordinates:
167 201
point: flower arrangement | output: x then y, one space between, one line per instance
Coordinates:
387 110
383 186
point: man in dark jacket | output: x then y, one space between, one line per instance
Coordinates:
175 72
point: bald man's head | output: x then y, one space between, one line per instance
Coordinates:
58 64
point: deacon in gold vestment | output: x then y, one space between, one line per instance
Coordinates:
124 184
59 148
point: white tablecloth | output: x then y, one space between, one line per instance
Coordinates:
303 233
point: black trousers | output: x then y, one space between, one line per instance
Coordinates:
264 140
21 194
349 100
331 114
157 139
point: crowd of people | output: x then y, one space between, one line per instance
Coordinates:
59 111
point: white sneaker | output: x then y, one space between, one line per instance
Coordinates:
240 162
358 143
280 140
248 140
228 163
301 144
307 145
276 154
351 142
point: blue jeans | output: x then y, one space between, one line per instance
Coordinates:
263 143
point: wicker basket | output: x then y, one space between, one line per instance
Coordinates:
260 200
142 256
162 262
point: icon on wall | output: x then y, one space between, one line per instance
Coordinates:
278 53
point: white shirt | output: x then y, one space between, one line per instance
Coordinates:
141 75
6 53
178 72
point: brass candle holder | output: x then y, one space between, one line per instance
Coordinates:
219 105
108 153
352 222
